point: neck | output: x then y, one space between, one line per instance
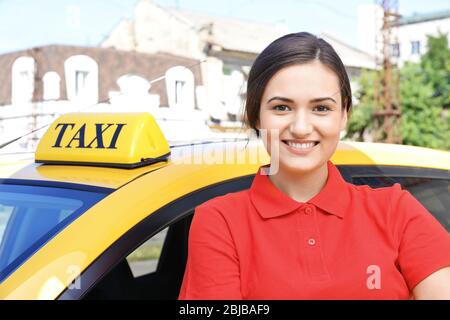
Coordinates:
300 186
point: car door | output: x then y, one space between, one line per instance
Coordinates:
111 276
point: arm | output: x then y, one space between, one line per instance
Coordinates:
212 269
434 287
424 251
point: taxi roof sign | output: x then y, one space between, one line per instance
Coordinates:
122 140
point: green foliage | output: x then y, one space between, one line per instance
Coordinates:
361 117
436 65
422 123
424 98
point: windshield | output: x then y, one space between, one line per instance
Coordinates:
32 215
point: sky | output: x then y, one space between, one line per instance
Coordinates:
28 23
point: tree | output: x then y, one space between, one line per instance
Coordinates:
436 66
422 123
361 119
424 95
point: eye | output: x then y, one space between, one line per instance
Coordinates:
321 109
281 108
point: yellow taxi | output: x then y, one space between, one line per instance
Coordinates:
102 209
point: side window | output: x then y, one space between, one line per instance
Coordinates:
144 260
434 194
152 271
5 216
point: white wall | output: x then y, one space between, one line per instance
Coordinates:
369 21
23 71
180 88
369 24
134 95
86 92
52 82
155 29
418 32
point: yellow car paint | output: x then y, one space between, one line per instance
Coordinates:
142 191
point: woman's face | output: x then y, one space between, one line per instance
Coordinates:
303 104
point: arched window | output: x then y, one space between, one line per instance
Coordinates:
51 85
233 85
81 79
132 84
23 70
134 94
180 87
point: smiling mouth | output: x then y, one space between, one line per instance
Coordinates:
301 145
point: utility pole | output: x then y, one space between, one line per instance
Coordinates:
387 87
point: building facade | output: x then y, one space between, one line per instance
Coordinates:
409 36
40 83
227 48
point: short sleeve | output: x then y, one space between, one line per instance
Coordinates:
424 242
212 269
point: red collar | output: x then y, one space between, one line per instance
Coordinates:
270 202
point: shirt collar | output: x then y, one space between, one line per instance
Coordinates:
270 202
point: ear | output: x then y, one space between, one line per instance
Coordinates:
344 119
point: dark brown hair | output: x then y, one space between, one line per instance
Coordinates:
291 49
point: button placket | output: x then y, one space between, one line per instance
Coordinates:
312 246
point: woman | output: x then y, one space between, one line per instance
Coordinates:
302 232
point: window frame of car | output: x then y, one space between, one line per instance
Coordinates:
91 196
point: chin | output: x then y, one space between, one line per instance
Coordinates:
301 165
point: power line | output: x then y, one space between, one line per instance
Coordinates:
35 129
330 8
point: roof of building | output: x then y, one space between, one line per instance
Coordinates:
113 63
350 56
235 34
424 17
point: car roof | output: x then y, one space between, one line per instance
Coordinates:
23 167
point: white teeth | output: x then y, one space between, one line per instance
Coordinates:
301 145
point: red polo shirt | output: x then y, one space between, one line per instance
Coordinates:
347 242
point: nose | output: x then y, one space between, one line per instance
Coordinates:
301 125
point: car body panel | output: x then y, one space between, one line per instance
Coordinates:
61 260
95 176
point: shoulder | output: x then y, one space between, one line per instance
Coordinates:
395 206
383 192
383 198
227 207
394 199
234 200
379 205
220 216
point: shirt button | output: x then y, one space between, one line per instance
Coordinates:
308 210
311 242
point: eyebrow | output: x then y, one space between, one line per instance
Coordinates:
291 101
